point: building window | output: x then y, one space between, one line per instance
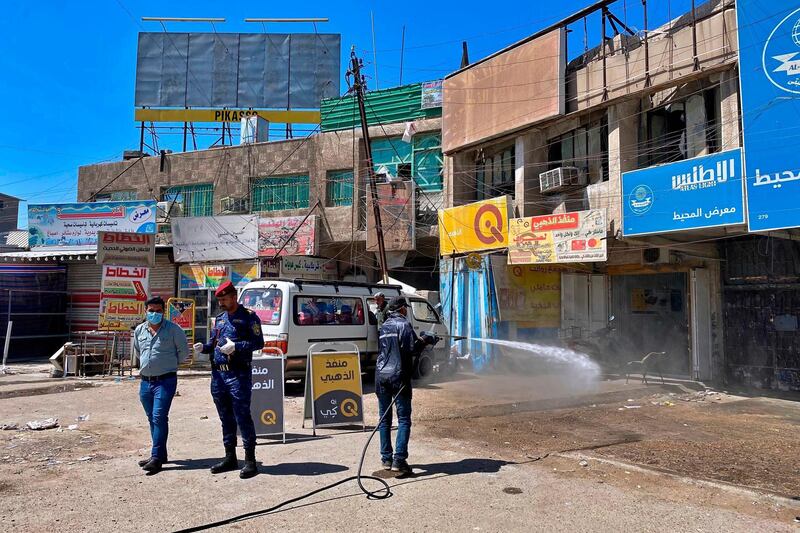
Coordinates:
280 193
682 129
115 196
494 174
194 200
421 159
585 148
339 186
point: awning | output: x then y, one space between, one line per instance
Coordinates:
29 256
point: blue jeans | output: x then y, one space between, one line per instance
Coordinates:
403 406
156 398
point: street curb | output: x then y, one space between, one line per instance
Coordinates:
732 488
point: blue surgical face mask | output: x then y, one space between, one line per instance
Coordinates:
154 317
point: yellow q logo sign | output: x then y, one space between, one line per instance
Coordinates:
269 417
488 224
349 408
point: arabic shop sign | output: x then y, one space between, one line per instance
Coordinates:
770 92
120 248
76 225
336 388
297 236
529 295
266 405
474 227
123 292
559 238
703 192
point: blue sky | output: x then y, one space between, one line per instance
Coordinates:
69 67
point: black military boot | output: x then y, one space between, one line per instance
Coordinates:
229 463
250 468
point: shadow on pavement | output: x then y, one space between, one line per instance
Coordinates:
302 469
464 466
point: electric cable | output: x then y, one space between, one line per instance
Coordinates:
379 494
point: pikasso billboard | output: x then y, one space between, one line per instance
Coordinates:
474 227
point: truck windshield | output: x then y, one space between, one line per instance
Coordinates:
266 303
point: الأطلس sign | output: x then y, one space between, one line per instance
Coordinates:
702 192
123 293
769 44
559 238
336 390
266 404
123 248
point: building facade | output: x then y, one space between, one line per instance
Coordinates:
664 101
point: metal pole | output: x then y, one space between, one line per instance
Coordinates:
374 50
141 137
605 80
402 52
358 85
694 37
8 334
646 46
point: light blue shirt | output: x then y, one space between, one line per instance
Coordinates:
162 352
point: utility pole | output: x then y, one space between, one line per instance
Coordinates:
359 86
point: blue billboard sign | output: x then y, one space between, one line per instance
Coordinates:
703 192
76 225
769 66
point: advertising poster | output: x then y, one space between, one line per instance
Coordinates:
769 60
431 94
266 405
397 208
474 227
703 192
243 273
560 238
180 311
123 294
215 276
274 232
528 294
75 225
223 238
119 248
336 388
192 277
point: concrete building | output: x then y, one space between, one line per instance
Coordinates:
634 102
324 174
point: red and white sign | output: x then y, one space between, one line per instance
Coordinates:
559 238
274 232
122 297
121 248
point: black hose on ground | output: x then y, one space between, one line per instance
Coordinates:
380 494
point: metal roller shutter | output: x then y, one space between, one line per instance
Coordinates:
162 277
83 286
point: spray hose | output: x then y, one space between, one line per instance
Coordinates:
380 494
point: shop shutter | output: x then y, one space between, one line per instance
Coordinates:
83 286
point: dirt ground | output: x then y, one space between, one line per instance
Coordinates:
752 442
535 453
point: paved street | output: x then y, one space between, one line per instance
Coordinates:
484 473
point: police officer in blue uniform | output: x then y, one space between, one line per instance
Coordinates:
236 334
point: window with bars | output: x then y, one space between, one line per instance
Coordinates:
339 187
194 200
494 174
277 193
421 159
115 196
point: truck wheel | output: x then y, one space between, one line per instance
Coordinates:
423 367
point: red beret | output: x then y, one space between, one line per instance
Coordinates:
225 288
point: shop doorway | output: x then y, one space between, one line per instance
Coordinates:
651 314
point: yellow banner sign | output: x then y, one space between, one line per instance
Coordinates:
529 295
558 238
336 388
473 227
225 115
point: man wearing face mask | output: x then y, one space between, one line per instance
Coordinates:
236 335
160 347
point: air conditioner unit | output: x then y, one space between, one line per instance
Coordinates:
561 179
234 204
167 210
654 256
